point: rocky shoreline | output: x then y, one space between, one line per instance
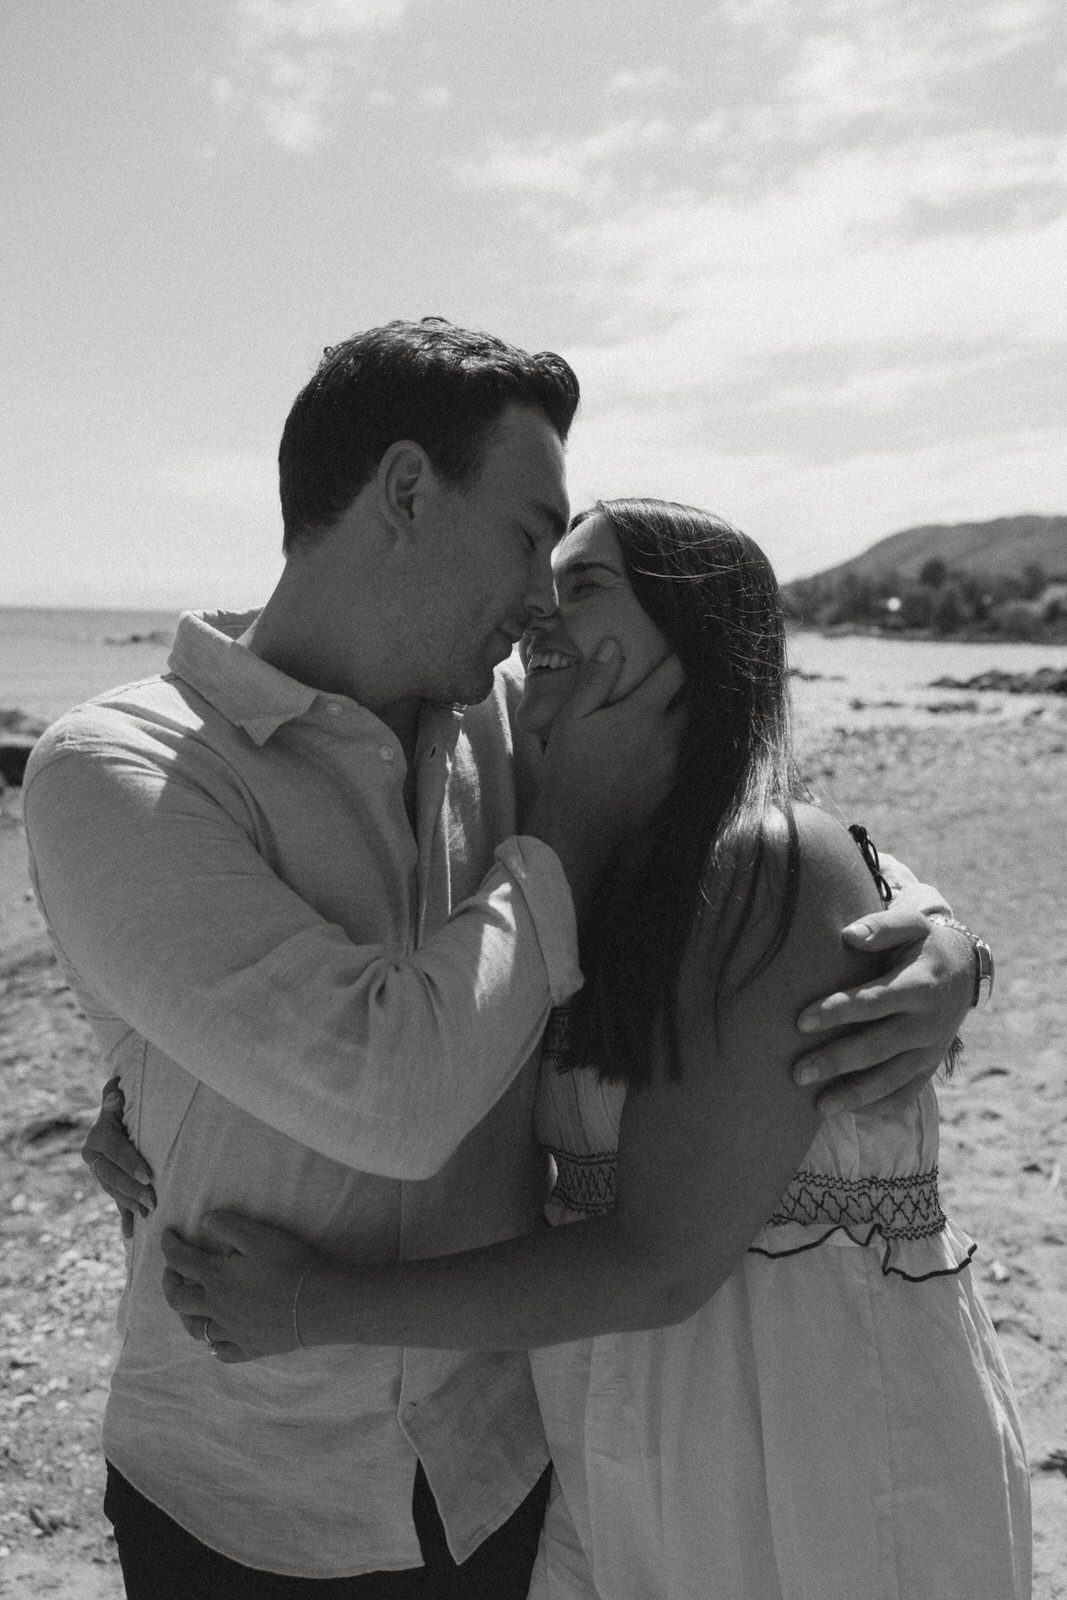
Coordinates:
1046 680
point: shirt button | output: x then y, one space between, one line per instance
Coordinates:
386 752
333 709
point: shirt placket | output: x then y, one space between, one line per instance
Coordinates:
421 1370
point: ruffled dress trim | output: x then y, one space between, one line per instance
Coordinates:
901 1213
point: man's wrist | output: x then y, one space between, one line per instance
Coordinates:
983 958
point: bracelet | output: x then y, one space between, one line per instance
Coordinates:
300 1345
983 958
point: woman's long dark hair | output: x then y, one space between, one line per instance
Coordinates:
712 592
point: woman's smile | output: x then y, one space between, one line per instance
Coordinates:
542 660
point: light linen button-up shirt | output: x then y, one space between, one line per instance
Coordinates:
331 1023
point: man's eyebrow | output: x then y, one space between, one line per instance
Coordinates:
556 521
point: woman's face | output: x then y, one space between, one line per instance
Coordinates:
596 602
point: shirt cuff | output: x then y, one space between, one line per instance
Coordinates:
536 869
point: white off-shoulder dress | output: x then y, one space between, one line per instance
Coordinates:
836 1423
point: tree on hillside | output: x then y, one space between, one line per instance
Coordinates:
974 587
949 609
855 600
917 605
1035 580
890 584
1017 620
933 572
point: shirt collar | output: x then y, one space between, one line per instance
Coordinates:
255 696
249 692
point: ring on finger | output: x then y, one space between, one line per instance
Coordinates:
208 1340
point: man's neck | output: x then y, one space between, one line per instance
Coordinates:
297 661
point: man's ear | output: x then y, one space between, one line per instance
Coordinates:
404 481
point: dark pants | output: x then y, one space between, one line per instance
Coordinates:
160 1561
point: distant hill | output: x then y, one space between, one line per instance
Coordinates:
1005 545
1006 578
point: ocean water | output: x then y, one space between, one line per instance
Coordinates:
861 680
50 660
884 662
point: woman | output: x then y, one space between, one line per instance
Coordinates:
761 1358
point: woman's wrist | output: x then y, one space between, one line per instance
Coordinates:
323 1307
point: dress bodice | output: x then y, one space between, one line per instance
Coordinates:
868 1177
576 1118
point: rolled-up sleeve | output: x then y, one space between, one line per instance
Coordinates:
161 904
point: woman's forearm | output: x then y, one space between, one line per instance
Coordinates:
571 1282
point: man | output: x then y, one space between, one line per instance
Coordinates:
287 884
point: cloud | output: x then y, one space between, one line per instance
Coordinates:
644 81
840 269
271 21
295 60
844 252
896 59
866 335
576 168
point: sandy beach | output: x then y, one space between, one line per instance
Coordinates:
973 799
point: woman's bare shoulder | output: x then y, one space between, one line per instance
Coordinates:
803 845
788 892
831 865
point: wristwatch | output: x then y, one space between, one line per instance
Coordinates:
983 959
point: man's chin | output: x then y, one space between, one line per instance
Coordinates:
472 692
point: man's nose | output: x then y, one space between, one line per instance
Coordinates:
540 595
541 620
541 611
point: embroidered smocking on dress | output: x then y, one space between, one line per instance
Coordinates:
585 1184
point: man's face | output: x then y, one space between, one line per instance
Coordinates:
488 566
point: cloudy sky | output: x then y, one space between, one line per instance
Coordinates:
808 257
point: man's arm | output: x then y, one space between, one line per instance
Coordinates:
908 1019
162 907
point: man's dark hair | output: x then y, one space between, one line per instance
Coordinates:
440 386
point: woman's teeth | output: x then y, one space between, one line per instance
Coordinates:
548 660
